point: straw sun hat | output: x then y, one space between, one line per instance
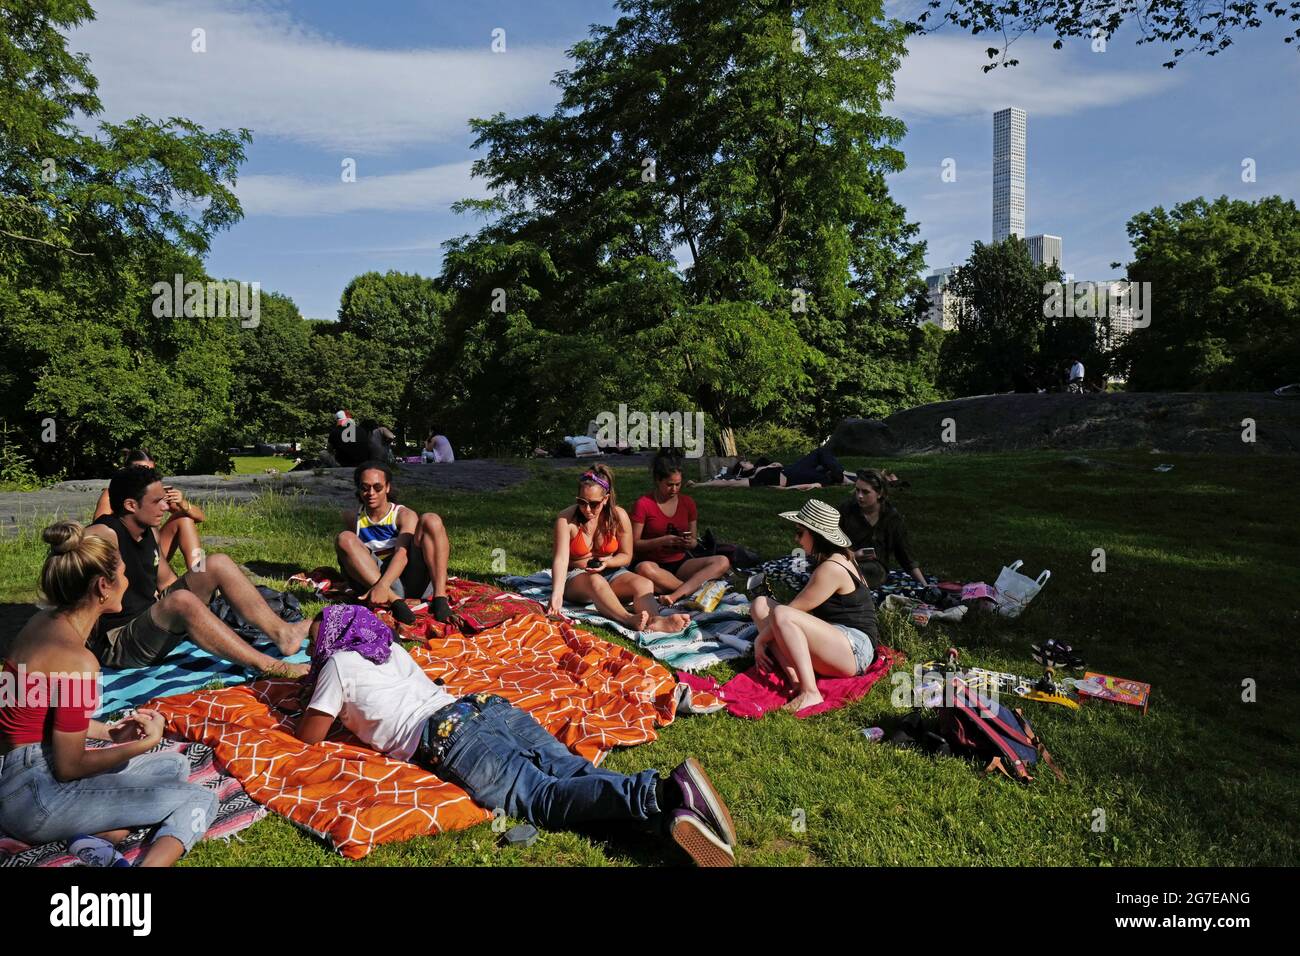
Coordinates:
821 518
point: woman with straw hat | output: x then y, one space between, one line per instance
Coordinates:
829 629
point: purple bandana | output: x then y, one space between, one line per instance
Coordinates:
349 627
592 476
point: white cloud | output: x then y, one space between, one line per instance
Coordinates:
265 71
940 77
432 188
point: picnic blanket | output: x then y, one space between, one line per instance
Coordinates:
591 694
188 667
791 573
235 812
754 693
719 635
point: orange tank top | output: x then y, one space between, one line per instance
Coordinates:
579 539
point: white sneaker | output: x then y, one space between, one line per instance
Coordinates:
96 851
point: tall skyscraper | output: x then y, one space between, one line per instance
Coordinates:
1008 173
1044 249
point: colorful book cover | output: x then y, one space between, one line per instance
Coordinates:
1115 689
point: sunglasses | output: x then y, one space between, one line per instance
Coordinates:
585 504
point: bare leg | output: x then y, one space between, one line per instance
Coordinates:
180 532
431 538
221 572
663 579
642 594
696 572
811 646
355 560
595 589
187 611
163 851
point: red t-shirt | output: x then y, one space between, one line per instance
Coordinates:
31 704
646 510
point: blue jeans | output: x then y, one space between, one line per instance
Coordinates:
504 758
152 788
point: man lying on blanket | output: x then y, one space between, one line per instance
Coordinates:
497 753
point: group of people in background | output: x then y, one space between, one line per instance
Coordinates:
114 601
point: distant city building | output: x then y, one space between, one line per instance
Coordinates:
1119 307
943 304
1008 173
1044 249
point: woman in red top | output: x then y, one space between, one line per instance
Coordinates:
52 786
663 529
593 548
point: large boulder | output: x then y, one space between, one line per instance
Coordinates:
864 436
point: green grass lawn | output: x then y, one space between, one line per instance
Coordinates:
257 464
1198 596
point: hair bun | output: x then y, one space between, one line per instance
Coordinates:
63 536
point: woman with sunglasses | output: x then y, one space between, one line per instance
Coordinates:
829 629
593 548
876 529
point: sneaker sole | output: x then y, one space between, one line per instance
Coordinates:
713 800
693 836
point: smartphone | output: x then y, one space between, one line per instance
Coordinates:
593 562
868 554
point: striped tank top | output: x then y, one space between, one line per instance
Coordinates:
379 534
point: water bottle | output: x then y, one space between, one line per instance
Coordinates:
873 734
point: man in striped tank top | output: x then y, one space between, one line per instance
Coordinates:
389 550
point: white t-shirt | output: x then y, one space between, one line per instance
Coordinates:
385 705
1076 371
442 449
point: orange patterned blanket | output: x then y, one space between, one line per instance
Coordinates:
591 694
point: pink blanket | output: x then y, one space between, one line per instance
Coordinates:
754 693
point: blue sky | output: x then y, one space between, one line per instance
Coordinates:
391 85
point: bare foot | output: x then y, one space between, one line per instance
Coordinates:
639 622
670 623
290 640
668 600
809 698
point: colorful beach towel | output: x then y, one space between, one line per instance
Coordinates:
188 667
591 694
755 693
235 812
720 635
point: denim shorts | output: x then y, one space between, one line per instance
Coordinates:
609 575
863 652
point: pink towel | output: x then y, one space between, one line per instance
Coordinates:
754 693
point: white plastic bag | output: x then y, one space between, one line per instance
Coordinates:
1013 591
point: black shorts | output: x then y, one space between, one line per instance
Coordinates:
141 641
670 566
769 476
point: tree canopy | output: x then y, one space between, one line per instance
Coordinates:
1187 26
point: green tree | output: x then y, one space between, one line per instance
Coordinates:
400 315
1224 294
89 221
1190 26
275 375
999 317
747 141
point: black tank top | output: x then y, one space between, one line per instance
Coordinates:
855 609
141 560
